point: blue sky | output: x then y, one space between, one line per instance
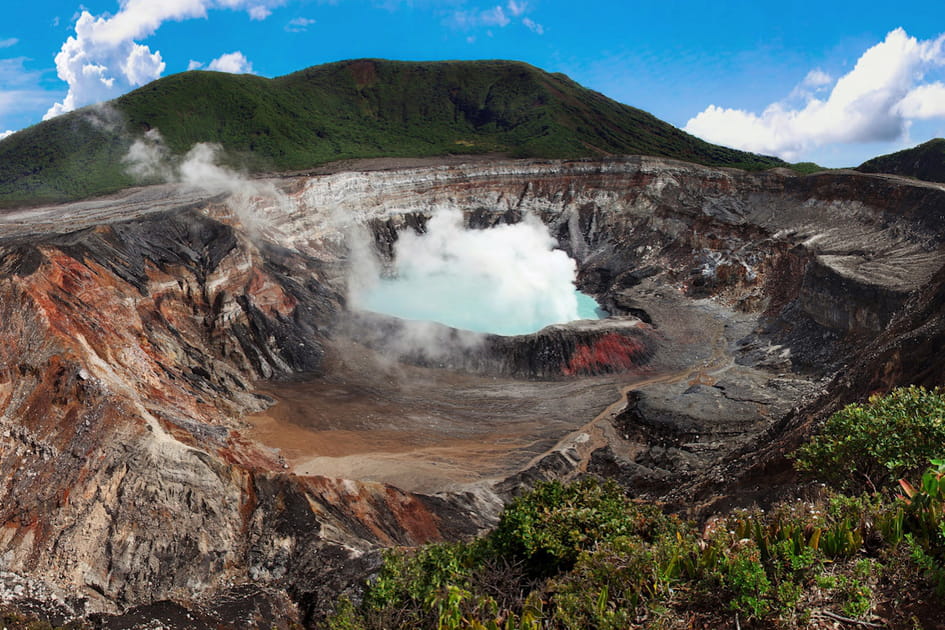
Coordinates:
831 82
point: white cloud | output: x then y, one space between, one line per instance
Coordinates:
259 12
299 25
4 134
924 102
234 63
10 41
517 8
873 102
103 59
533 26
817 78
494 17
194 65
474 19
497 16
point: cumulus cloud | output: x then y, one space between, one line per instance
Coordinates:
4 134
194 65
873 102
299 25
103 59
234 63
924 102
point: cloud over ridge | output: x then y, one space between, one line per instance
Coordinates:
875 101
103 59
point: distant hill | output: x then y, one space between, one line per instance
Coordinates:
926 161
350 109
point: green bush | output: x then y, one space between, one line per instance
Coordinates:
585 556
870 446
550 526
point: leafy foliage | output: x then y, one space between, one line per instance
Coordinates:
871 445
551 526
926 161
352 109
636 567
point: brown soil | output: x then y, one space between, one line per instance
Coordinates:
420 429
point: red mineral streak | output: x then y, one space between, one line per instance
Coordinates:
611 352
268 295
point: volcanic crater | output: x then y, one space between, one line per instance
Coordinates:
194 408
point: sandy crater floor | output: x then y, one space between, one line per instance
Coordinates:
423 430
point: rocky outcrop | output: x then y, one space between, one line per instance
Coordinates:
577 349
845 248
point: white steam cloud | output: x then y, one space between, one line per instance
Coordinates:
149 160
506 280
875 101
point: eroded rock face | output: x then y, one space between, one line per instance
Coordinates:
127 354
133 332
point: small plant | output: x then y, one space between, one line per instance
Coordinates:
748 583
927 503
925 521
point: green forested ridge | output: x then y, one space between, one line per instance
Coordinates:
349 109
926 161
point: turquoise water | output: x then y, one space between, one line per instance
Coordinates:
475 305
588 308
507 280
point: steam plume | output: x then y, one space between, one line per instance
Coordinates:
507 280
149 159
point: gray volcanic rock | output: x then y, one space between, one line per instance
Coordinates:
584 347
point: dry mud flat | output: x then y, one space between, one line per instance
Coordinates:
422 429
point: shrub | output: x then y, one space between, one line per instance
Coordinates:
870 446
550 526
585 556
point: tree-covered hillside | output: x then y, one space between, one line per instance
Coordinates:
349 109
926 161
